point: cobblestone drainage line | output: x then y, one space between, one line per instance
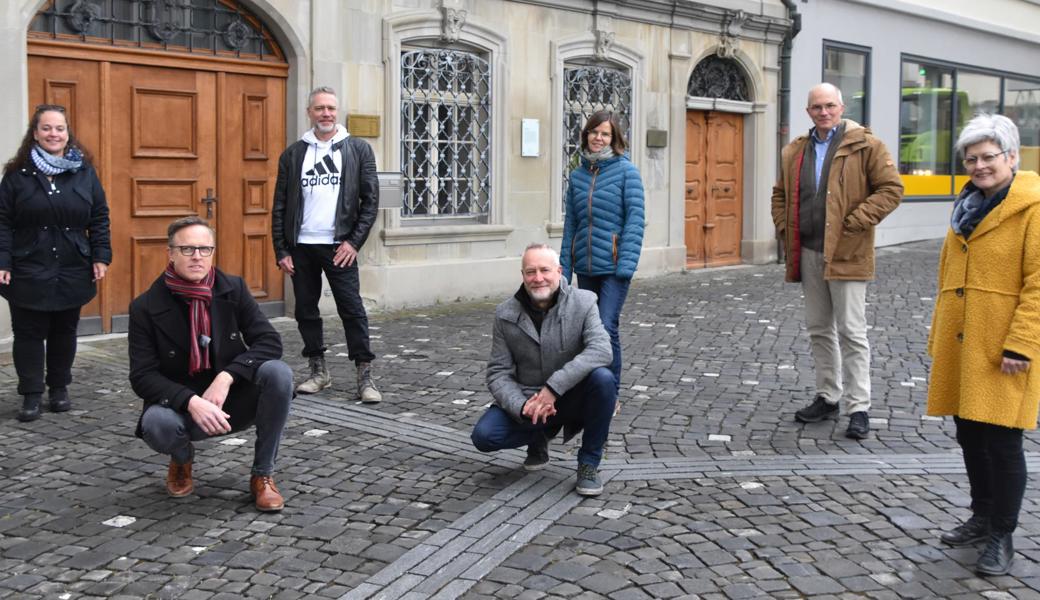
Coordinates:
451 561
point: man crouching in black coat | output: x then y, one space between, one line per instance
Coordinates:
205 361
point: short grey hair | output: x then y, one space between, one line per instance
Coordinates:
998 129
541 246
824 86
321 89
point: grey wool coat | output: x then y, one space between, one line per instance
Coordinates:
572 344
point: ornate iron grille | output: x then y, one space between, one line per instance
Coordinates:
445 133
587 89
216 27
716 77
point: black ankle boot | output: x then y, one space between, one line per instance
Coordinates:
30 407
996 558
59 398
974 530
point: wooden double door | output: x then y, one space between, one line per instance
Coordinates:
171 141
714 194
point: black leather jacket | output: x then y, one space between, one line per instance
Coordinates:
358 196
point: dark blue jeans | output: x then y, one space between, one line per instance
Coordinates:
266 403
590 405
996 469
612 292
309 262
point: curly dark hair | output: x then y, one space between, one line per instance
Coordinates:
617 138
21 158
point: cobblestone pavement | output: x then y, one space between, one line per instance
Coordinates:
712 490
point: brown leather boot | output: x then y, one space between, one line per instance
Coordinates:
178 480
266 494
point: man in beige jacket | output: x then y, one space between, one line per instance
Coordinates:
836 184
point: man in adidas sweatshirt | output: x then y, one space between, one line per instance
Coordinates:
325 202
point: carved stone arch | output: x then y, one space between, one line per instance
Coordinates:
590 46
716 77
448 29
740 63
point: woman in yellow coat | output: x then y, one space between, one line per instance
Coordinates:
986 332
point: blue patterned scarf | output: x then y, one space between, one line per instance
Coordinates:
972 206
56 165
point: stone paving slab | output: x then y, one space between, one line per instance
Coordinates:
712 490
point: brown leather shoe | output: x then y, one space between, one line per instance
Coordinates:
265 493
178 480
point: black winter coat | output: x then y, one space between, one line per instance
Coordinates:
242 340
51 236
358 196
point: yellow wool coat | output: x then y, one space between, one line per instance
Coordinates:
989 301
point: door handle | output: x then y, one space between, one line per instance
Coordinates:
209 200
709 226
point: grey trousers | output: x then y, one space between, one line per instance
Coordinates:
266 403
836 319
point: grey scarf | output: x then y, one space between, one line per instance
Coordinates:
594 157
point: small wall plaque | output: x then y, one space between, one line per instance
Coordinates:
656 138
366 126
528 137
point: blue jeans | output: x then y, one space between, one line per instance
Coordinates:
589 405
266 403
612 292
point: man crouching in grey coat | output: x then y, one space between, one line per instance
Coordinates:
549 369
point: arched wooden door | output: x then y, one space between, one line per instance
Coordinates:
176 128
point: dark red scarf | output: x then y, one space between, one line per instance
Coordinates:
198 296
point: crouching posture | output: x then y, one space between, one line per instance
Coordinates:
549 370
205 361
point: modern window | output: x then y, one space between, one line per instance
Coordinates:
937 100
847 67
1022 105
588 88
446 134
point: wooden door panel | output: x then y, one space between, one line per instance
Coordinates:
725 174
694 189
74 84
250 143
164 158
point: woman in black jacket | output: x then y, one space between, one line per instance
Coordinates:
54 248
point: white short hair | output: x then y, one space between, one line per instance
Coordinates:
998 129
825 86
541 246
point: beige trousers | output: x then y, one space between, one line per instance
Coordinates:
835 317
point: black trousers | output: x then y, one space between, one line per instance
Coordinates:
32 329
310 261
996 469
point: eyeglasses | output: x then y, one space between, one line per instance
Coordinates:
204 251
50 107
829 107
970 162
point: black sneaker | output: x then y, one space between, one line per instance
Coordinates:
589 483
819 410
537 454
997 557
974 530
859 425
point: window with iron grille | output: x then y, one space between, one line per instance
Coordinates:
588 88
445 134
214 27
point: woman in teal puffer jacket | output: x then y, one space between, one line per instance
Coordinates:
603 228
